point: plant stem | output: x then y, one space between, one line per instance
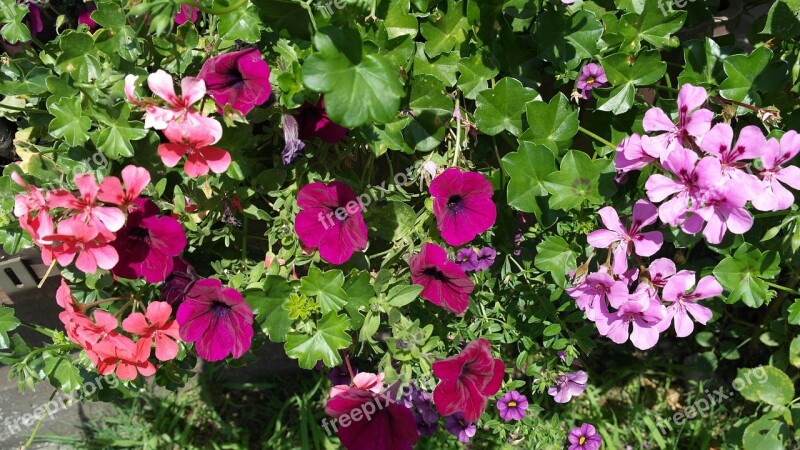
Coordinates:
596 137
782 288
39 43
17 108
217 11
35 327
38 424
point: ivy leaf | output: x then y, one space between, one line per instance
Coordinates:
326 287
475 74
63 373
400 296
444 31
743 273
584 33
115 36
268 305
13 13
69 122
500 108
617 100
323 345
742 71
77 57
580 179
241 24
528 168
555 255
551 124
114 139
703 63
432 109
652 24
783 19
358 87
443 67
794 313
8 322
399 22
646 68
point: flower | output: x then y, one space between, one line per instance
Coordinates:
464 430
723 209
485 258
136 180
87 209
340 374
584 437
217 319
775 171
596 291
467 380
641 312
364 381
314 122
444 283
462 204
239 79
466 259
749 145
178 282
85 17
89 246
155 326
421 403
330 219
630 155
121 356
693 121
187 13
683 304
293 147
32 210
568 385
148 243
592 76
197 145
644 244
512 406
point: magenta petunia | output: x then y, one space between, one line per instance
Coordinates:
584 437
512 406
462 203
187 13
147 243
239 79
331 220
217 319
444 282
178 283
313 122
85 17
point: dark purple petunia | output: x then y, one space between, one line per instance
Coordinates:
421 403
239 79
315 123
460 428
85 17
148 243
217 319
485 258
467 259
339 375
179 282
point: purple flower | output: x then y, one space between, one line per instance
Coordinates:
693 122
682 304
85 17
147 244
563 356
457 426
294 146
179 282
217 319
591 76
239 79
315 123
421 403
630 237
641 312
569 385
467 259
339 375
485 258
512 406
187 13
584 437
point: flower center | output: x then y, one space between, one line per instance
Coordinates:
455 203
140 233
220 309
582 440
512 404
590 80
434 273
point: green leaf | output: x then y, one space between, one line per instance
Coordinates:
444 31
63 373
500 108
556 256
242 24
392 222
783 19
579 179
742 274
585 33
115 37
703 63
323 345
114 138
766 384
794 313
551 124
358 87
400 296
475 74
69 122
653 24
443 67
617 100
13 13
399 22
742 71
269 307
8 322
794 352
326 287
527 168
764 434
77 57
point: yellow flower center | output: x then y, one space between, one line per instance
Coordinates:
590 80
582 440
512 404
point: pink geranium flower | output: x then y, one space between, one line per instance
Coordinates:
693 121
462 204
89 246
330 219
596 292
751 143
568 385
313 122
683 304
155 326
467 380
123 357
644 244
136 180
444 282
197 146
32 210
239 79
775 171
630 155
217 319
641 313
86 208
148 243
364 380
723 209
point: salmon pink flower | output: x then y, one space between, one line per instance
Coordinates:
467 380
365 381
630 237
89 246
775 171
155 326
330 219
462 203
444 283
32 210
568 385
693 122
217 319
197 145
148 243
86 208
682 304
313 122
136 180
123 357
239 79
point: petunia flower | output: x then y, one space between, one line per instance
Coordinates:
365 381
596 292
197 145
89 246
630 237
178 283
444 283
147 243
568 385
466 258
421 404
630 155
467 380
239 79
750 144
638 318
723 210
86 208
217 319
693 122
461 428
683 304
592 76
584 437
512 406
136 180
85 17
485 258
462 204
313 122
155 326
330 219
775 170
187 13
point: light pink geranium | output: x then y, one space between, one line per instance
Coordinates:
32 210
136 180
596 292
683 304
693 122
723 210
638 317
89 246
364 380
630 155
775 171
750 144
197 145
643 243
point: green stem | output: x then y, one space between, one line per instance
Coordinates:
774 214
45 331
307 6
782 288
38 424
43 47
666 88
37 351
20 109
596 137
216 11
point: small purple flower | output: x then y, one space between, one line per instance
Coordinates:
178 283
294 146
563 356
467 259
485 258
584 437
457 426
592 76
512 406
421 404
569 385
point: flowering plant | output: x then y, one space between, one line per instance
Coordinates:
546 224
